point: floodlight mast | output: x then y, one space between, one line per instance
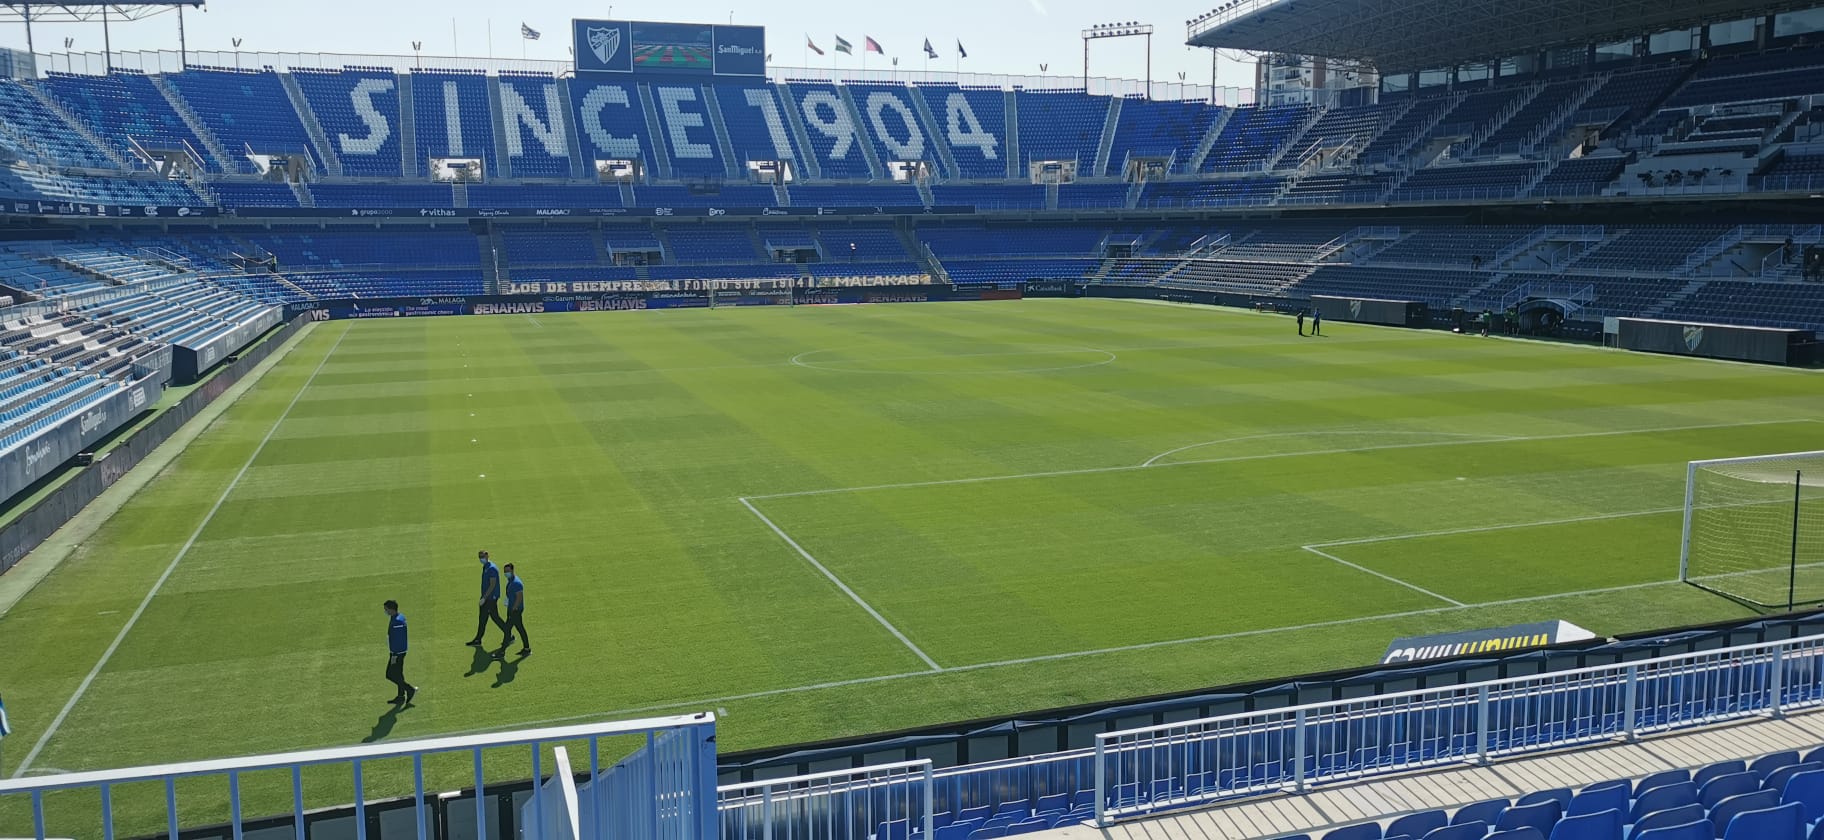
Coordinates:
87 11
1129 29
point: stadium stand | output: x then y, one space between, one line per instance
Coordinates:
246 113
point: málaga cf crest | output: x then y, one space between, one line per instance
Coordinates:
605 42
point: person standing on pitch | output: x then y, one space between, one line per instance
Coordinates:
516 614
1317 321
395 660
1301 322
490 599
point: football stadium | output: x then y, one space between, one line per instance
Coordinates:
1424 443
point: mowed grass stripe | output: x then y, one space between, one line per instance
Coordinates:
615 445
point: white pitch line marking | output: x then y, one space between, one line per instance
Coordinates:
83 687
1480 438
1275 455
1052 657
840 585
1386 577
1109 358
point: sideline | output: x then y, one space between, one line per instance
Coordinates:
34 567
183 552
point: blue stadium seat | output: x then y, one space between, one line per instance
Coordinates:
1806 789
1777 779
1598 798
1724 811
1472 830
1721 768
1604 825
1696 830
1661 779
1768 763
1418 825
1663 797
1562 796
1719 788
1487 812
1669 817
1365 831
1526 833
1540 815
1786 822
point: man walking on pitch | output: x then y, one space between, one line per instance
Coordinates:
490 599
395 660
1317 321
516 614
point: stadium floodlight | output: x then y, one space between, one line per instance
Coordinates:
1754 529
1130 29
91 11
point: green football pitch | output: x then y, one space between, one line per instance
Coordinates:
830 521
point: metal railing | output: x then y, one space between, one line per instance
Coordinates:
663 791
1139 771
884 800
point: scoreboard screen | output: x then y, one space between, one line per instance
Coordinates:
650 48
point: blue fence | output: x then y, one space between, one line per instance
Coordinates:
1137 772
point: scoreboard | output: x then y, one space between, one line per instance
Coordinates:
649 48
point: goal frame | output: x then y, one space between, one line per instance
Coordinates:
1684 552
715 289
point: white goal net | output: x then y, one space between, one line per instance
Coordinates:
776 292
1754 528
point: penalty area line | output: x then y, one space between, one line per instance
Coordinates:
108 654
840 585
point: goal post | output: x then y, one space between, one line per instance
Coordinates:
1754 529
771 291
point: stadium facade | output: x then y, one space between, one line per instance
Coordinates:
1663 164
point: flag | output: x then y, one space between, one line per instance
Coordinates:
5 730
527 32
872 46
812 45
843 46
960 52
929 52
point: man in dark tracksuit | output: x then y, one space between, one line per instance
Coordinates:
490 599
516 614
1301 322
1317 321
395 660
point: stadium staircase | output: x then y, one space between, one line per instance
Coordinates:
938 139
408 130
862 135
211 144
788 103
1014 170
503 163
332 163
661 151
1106 147
1209 140
732 164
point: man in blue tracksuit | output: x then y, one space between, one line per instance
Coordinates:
396 647
516 613
490 599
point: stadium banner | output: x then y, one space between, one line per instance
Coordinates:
652 49
1394 313
1716 341
674 298
44 452
51 512
41 207
189 360
1491 640
1050 288
437 213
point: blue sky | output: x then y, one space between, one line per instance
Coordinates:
1002 36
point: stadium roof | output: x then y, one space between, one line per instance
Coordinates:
79 11
1397 36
